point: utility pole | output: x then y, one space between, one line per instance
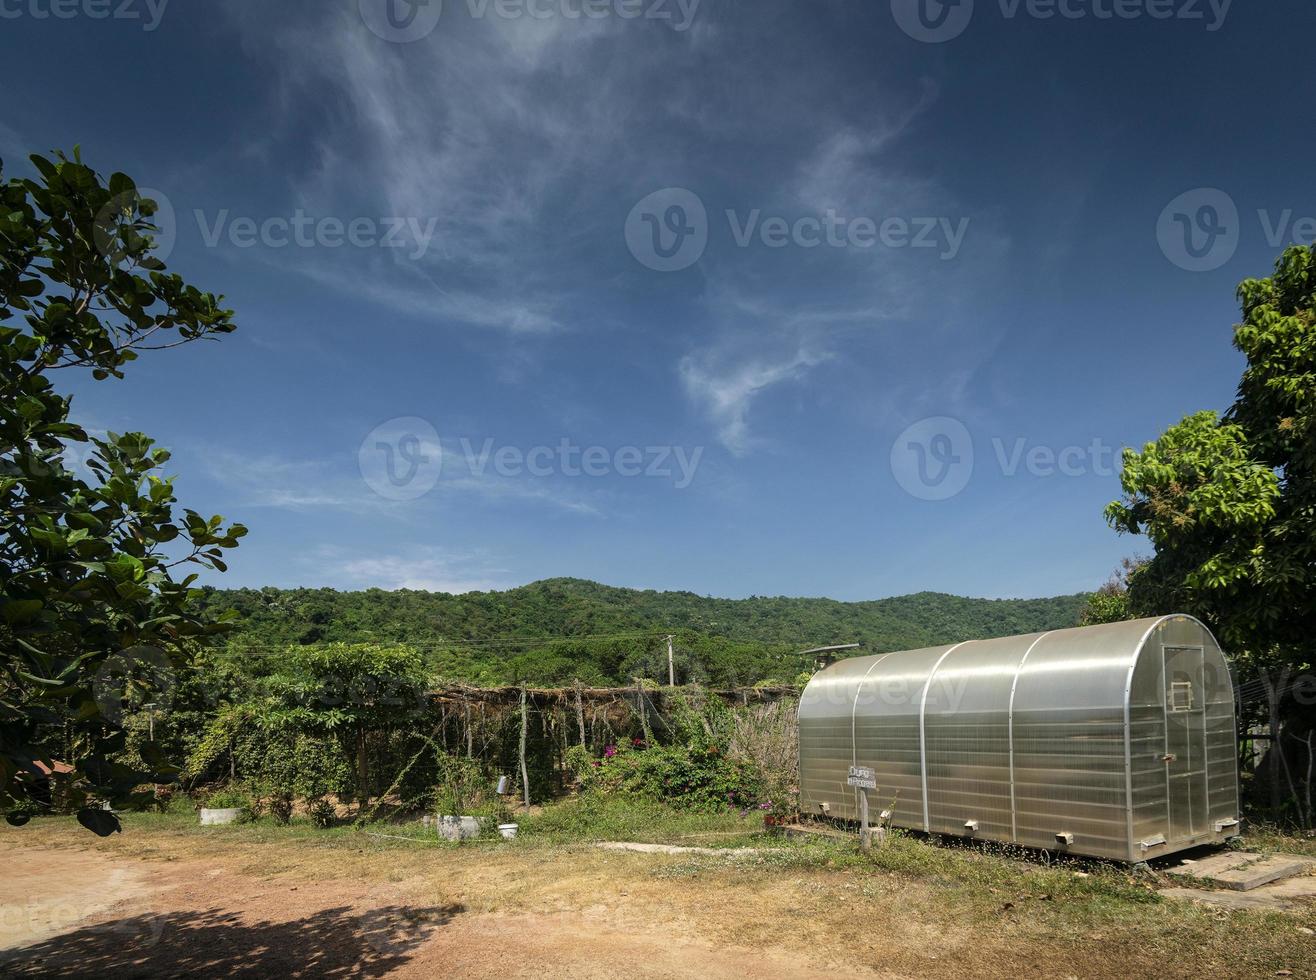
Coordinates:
671 664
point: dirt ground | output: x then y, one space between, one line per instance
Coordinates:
190 905
188 917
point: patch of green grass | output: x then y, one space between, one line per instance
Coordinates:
1270 839
584 819
980 877
599 817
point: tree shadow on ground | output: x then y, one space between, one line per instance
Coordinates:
335 942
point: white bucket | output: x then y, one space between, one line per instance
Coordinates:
508 830
210 818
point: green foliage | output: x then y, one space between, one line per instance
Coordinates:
1230 503
348 687
600 817
229 798
678 776
87 589
1110 603
321 812
464 788
606 636
305 730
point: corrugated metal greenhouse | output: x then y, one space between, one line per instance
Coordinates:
1115 741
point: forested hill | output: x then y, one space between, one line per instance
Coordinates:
563 628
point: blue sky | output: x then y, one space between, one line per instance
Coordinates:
954 280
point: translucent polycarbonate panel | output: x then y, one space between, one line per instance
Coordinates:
1221 737
826 720
887 731
1147 746
1034 738
1185 745
1182 740
966 725
1069 739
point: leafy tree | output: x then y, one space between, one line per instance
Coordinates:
88 594
567 629
1110 603
1230 503
350 692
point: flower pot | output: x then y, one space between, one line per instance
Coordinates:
508 830
211 818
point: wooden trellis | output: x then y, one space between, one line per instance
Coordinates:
596 716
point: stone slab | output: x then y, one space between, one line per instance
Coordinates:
1214 864
1245 870
1294 894
1275 868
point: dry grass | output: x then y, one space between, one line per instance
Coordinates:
911 909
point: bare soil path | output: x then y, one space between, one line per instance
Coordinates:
79 913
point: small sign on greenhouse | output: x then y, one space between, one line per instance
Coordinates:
862 777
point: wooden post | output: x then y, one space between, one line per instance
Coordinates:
580 716
470 735
1311 764
644 716
1276 750
525 771
865 833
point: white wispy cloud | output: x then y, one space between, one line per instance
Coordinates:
775 317
290 483
727 391
426 569
336 484
468 129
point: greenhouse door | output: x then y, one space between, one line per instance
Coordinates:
1185 743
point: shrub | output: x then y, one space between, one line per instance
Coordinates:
281 808
228 798
321 812
685 778
464 788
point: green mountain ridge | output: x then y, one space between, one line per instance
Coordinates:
561 629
